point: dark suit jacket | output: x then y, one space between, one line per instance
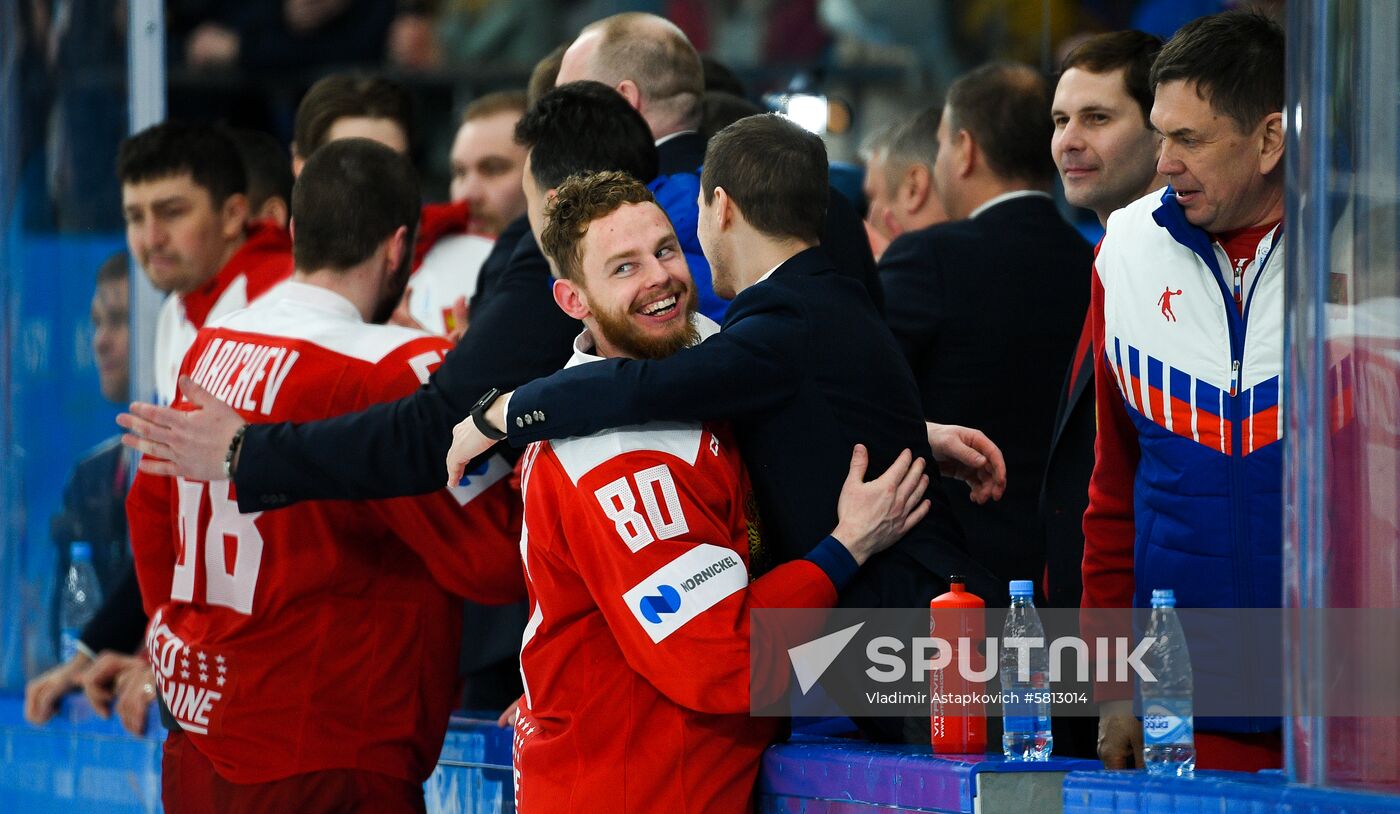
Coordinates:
496 263
987 311
1065 493
843 237
390 450
803 369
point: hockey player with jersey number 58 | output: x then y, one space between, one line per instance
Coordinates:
308 654
640 548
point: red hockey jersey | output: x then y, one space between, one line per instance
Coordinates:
636 656
323 635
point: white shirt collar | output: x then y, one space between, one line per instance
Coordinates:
769 273
322 299
670 136
584 345
1007 196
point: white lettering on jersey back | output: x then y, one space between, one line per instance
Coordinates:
313 314
233 371
581 455
684 588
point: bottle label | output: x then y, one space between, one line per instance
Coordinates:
1167 722
1025 709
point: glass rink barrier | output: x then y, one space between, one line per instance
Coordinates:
76 325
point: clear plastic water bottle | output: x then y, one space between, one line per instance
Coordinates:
1025 704
81 598
1168 729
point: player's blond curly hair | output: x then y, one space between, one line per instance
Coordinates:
577 202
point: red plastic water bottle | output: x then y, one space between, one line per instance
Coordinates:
957 716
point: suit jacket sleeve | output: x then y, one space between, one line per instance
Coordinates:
750 365
912 311
397 449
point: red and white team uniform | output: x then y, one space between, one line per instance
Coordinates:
320 636
263 261
448 260
636 656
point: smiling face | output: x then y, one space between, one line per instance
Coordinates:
177 233
1104 150
1224 178
486 171
635 285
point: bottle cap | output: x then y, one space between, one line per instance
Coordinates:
1163 598
1022 587
80 552
957 580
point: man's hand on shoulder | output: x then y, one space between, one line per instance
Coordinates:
190 443
971 457
874 515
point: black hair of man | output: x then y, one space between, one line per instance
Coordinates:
115 268
720 79
720 109
1236 61
349 95
351 196
173 148
267 165
1133 51
1006 108
585 127
774 171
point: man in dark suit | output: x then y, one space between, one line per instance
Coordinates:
653 65
987 306
1106 153
803 368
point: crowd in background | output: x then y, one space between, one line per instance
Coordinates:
980 173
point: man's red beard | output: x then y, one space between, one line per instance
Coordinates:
623 334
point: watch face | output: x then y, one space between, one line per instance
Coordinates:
488 397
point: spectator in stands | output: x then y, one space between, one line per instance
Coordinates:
283 35
774 372
470 33
987 306
584 568
184 197
1106 152
899 188
650 62
486 201
93 511
313 671
1205 519
270 176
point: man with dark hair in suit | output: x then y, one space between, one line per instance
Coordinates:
803 369
987 306
649 61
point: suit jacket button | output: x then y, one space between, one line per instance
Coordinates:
529 419
519 422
